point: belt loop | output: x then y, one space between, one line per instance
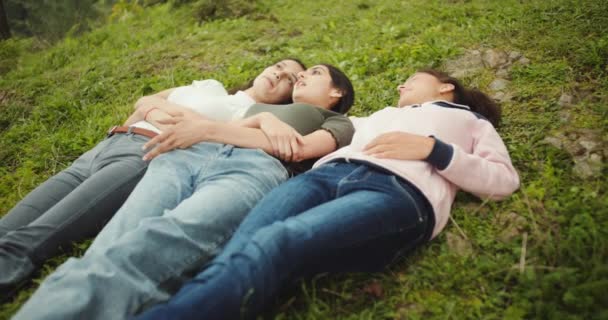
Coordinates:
130 130
111 131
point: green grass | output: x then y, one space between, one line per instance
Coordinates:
57 102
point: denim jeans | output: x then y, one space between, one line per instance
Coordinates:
71 206
337 218
177 218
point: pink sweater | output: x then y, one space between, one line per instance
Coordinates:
468 154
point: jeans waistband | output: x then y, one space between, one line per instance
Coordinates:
419 197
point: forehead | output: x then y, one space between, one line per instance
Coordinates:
291 65
319 67
422 76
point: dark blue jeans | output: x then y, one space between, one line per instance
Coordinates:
339 217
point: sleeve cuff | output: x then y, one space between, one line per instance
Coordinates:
441 155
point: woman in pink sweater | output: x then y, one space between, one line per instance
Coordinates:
365 204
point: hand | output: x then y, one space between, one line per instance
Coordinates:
284 139
144 103
400 146
185 131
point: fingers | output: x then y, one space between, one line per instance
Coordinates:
173 120
377 149
174 113
158 139
295 149
285 149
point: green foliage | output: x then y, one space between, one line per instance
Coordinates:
57 103
51 20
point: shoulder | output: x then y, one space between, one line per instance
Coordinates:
210 86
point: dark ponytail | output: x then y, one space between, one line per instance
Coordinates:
341 82
478 101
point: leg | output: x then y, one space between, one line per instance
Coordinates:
148 263
46 195
18 241
165 184
341 235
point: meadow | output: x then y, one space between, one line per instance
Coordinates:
540 254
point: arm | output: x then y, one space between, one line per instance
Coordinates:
486 172
155 107
188 131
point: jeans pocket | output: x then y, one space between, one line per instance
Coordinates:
406 190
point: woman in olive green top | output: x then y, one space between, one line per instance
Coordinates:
190 201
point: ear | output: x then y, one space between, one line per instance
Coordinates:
446 87
336 93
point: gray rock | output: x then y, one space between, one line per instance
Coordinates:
494 59
565 100
523 61
588 167
554 141
467 65
503 73
564 116
511 225
514 55
574 148
588 145
458 244
499 84
502 96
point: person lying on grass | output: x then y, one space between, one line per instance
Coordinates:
76 203
387 193
191 200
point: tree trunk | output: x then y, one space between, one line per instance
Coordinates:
5 31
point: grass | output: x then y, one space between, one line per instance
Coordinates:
90 83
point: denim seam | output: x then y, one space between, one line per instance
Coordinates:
402 190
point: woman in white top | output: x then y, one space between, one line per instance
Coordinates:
77 202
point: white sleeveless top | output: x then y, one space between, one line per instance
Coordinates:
210 99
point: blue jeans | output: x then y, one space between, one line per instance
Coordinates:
180 214
339 217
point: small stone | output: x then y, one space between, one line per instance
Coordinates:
499 84
502 96
588 144
564 116
468 64
512 225
493 58
587 167
458 244
524 61
575 149
565 100
554 141
502 73
514 55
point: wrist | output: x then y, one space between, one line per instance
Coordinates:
441 154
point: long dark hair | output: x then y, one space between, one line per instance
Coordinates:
478 101
249 84
341 82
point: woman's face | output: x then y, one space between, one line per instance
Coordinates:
422 87
275 83
315 87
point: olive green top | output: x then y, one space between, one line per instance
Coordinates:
306 119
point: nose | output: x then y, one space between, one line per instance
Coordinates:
400 87
301 74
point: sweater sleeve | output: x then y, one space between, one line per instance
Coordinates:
487 172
